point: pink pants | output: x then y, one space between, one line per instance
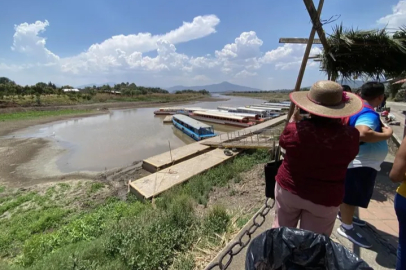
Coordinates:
290 208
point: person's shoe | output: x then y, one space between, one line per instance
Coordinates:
354 237
355 220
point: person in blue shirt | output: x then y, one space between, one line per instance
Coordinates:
362 171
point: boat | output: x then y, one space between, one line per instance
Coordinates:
268 109
193 128
273 104
175 110
222 118
251 116
167 111
260 111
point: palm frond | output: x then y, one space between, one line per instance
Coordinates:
372 53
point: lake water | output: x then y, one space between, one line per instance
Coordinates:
119 138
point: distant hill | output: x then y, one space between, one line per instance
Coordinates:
219 87
351 83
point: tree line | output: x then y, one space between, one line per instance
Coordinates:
186 91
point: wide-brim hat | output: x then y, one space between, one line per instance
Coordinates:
327 99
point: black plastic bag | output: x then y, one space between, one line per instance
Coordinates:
295 249
271 170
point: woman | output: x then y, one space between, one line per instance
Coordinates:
310 181
397 175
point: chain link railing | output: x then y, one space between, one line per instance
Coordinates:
245 238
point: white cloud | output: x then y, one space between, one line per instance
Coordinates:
201 78
245 46
26 39
122 57
278 53
397 18
245 74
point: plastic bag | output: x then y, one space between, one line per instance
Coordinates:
295 249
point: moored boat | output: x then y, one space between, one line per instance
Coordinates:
167 111
193 128
222 118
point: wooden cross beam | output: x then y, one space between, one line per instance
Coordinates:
315 16
298 40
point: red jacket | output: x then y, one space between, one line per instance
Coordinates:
316 160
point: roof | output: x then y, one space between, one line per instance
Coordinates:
70 90
191 122
251 109
266 108
221 115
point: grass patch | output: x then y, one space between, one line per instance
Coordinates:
38 114
2 189
117 234
94 187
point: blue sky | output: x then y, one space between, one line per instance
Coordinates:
166 43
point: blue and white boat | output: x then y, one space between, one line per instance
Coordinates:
193 128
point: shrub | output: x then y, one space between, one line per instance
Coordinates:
216 221
151 240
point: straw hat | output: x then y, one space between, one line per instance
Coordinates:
327 99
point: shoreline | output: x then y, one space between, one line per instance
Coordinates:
31 161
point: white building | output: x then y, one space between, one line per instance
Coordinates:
70 90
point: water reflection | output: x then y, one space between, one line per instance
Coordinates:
118 138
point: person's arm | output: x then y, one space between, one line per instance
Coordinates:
370 136
367 123
397 174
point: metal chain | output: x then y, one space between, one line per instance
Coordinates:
244 239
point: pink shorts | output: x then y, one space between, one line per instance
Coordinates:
290 208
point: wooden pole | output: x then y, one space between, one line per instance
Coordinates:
306 55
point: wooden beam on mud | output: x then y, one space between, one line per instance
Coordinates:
298 40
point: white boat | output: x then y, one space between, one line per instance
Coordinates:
268 109
222 118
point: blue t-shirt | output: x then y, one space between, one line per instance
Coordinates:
370 154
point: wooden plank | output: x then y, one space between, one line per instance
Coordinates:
163 160
154 184
168 119
298 40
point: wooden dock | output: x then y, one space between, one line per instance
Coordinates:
168 119
180 154
156 183
177 166
175 156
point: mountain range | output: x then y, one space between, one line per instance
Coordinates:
219 87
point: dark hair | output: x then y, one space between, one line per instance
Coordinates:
346 88
372 90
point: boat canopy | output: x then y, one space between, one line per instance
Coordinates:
224 115
191 122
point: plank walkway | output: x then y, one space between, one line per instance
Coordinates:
156 183
180 154
177 155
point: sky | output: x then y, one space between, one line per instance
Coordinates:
179 42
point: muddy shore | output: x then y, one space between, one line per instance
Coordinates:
23 162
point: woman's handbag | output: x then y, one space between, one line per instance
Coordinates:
271 169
